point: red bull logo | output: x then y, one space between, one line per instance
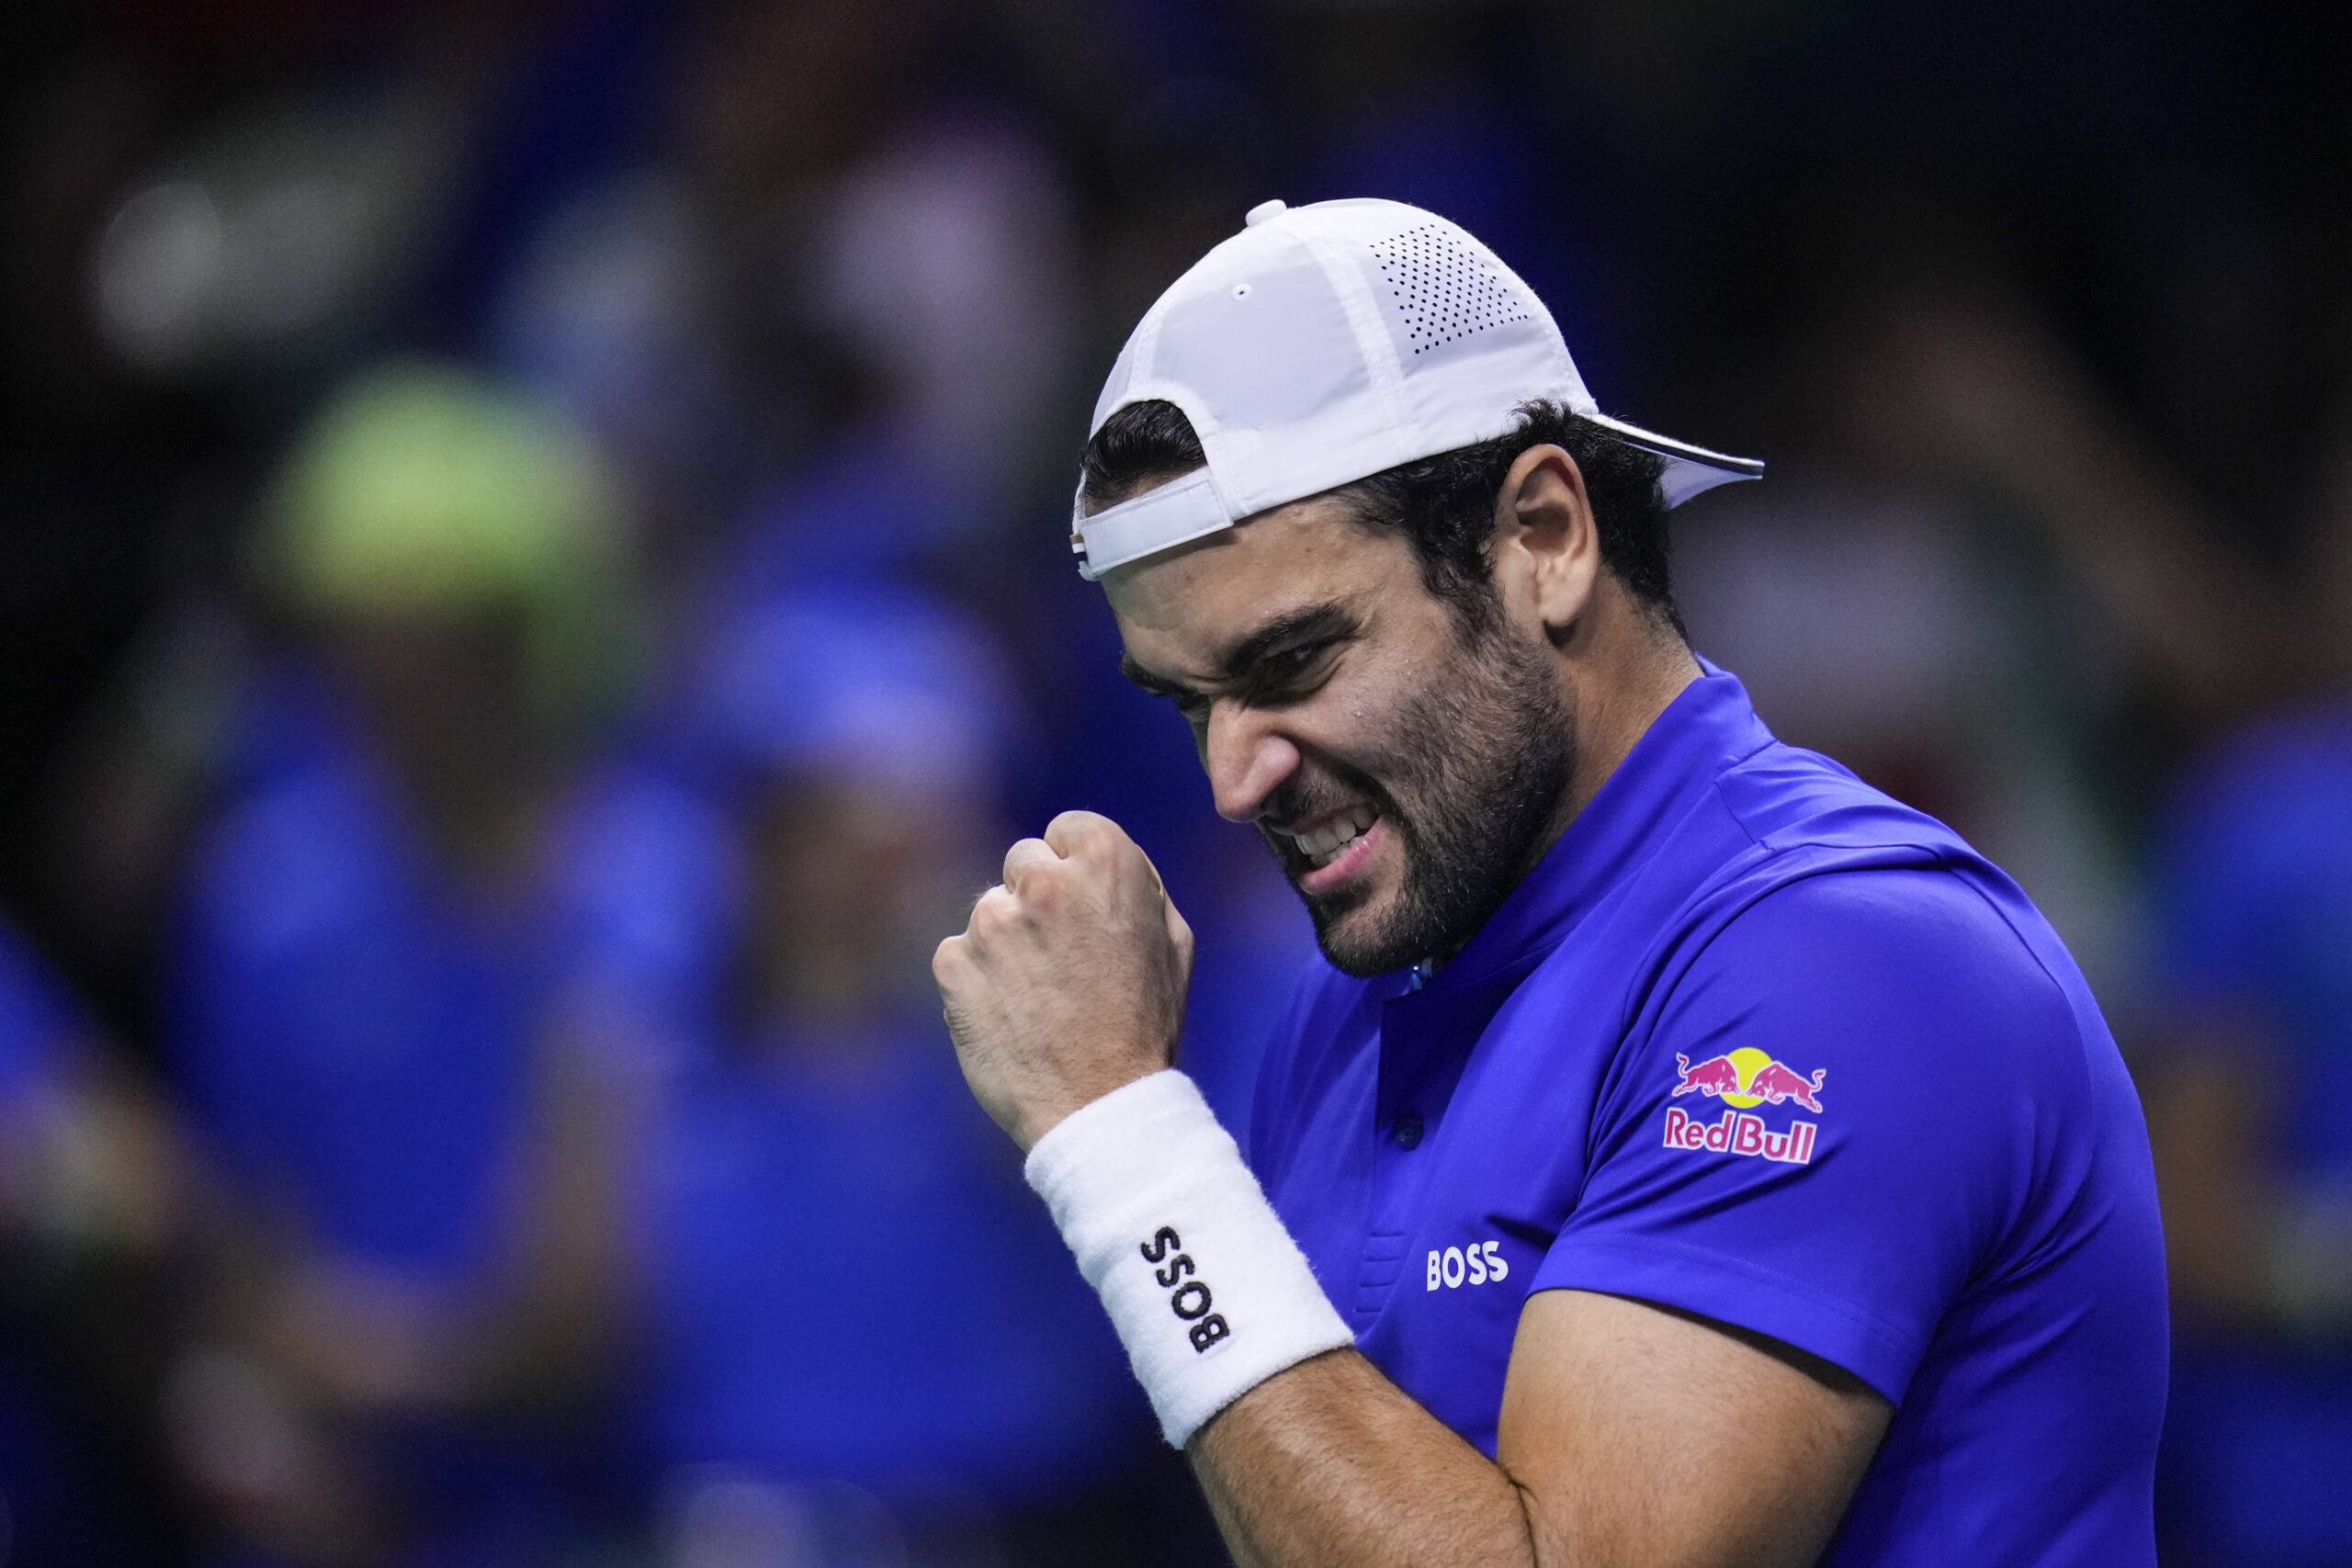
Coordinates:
1748 1076
1742 1079
1739 1133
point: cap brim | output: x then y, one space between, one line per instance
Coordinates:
1689 471
1192 507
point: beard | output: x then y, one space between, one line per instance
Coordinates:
1469 776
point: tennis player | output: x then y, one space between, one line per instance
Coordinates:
1689 1154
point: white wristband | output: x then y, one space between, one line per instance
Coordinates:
1208 1292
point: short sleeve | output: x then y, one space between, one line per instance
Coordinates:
1831 1121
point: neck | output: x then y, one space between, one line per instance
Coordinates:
1614 684
1620 668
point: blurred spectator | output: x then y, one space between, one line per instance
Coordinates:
816 272
1888 611
2258 1166
2249 976
940 275
855 1335
274 243
88 1161
93 1202
2255 867
366 940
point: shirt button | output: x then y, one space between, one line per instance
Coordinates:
1409 1130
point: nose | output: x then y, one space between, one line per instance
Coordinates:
1247 758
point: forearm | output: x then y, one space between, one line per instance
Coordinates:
1330 1465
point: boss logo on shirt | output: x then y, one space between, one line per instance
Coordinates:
1473 1265
1188 1298
1743 1077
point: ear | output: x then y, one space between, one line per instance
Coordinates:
1547 548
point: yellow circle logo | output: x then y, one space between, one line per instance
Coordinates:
1748 1061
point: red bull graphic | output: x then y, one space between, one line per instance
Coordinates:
1774 1083
1742 1079
1739 1133
1712 1076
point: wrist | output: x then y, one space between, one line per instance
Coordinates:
1208 1292
1033 1121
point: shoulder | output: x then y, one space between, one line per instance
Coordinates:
1925 989
1788 799
1813 875
1843 879
1927 929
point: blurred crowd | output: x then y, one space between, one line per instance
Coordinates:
535 590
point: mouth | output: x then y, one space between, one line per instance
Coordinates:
1335 849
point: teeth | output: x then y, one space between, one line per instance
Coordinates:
1322 845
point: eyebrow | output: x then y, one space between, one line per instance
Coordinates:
1315 623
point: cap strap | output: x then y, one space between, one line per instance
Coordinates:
1160 519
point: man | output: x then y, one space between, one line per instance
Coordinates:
1696 1157
363 955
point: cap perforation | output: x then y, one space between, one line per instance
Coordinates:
1441 289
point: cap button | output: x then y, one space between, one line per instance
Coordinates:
1262 212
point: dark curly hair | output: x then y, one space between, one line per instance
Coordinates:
1444 505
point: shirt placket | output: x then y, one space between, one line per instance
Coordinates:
1427 1036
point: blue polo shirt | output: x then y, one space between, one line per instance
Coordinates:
1756 1042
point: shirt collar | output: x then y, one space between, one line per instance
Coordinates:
1709 725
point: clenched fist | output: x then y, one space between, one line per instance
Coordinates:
1070 980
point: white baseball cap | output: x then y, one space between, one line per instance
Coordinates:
1325 343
